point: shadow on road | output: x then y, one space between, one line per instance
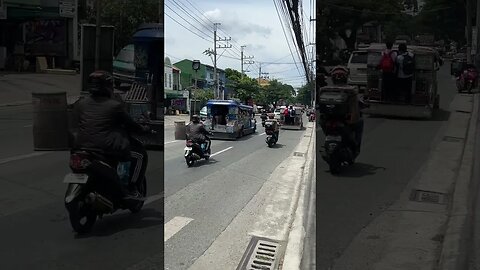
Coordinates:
358 170
111 225
277 146
204 162
441 115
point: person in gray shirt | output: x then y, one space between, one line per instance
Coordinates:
405 70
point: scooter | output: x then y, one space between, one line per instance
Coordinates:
338 151
311 117
467 80
264 119
89 194
195 152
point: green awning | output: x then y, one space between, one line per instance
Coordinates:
174 94
32 13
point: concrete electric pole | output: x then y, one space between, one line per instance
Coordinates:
260 73
97 34
243 62
218 95
469 31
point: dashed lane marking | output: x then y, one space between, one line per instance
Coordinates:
221 151
174 226
15 158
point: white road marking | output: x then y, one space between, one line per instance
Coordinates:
219 152
174 226
28 126
153 198
173 141
262 134
10 159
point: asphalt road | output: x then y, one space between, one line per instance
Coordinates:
393 150
36 233
201 201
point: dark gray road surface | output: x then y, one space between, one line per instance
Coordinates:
212 193
36 233
392 152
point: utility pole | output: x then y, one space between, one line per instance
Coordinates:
476 61
215 47
469 31
243 62
97 35
260 73
160 11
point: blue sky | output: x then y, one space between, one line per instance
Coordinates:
248 22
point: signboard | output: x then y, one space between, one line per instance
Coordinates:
67 8
3 10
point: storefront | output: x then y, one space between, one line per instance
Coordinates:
30 30
176 101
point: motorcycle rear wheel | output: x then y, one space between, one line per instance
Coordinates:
189 160
81 223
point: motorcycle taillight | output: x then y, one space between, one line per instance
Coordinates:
78 161
189 143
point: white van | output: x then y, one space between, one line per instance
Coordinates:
357 65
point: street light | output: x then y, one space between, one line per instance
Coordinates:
196 67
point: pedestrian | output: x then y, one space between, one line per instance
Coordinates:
387 67
405 63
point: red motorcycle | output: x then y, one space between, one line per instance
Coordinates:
312 117
468 79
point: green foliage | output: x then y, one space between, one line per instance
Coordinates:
125 15
203 95
305 94
246 88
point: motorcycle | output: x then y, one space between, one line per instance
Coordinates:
272 136
311 117
195 152
89 194
467 80
264 119
338 151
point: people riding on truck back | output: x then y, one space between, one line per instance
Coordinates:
387 66
405 70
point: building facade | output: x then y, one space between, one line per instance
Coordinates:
176 98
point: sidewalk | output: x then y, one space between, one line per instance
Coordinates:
171 119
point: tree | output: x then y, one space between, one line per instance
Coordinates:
203 95
305 94
243 86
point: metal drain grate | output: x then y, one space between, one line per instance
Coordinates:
307 135
460 111
452 139
428 196
261 253
298 154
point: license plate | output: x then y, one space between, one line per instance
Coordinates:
188 149
75 178
334 138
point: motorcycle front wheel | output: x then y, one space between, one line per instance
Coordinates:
189 160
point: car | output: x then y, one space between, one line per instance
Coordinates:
123 66
277 112
357 66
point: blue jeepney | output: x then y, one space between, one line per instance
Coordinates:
229 119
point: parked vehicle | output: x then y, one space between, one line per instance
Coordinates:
335 103
123 66
203 113
89 194
466 75
357 66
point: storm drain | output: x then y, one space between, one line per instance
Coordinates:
460 111
428 196
298 154
261 253
452 139
307 135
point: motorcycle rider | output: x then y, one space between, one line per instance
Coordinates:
197 132
103 124
272 123
339 76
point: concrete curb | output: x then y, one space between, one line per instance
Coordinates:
454 252
296 238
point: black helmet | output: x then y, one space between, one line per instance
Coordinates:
100 83
195 119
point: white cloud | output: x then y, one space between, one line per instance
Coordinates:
251 23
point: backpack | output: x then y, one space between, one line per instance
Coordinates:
386 63
408 64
